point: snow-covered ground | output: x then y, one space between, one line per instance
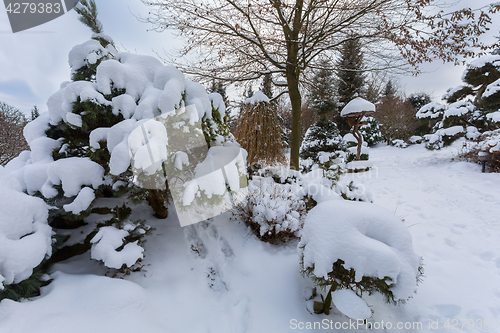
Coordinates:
239 284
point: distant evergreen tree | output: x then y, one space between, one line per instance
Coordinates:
34 113
323 146
217 86
322 94
350 78
418 100
389 90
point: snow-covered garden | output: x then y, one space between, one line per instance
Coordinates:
148 203
240 284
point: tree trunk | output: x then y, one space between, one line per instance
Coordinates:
296 102
358 137
292 78
157 201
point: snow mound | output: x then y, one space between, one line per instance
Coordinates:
431 110
359 165
357 105
492 89
458 109
368 238
350 138
104 246
72 173
81 202
494 116
493 59
258 97
88 53
351 304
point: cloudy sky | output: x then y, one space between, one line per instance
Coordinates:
33 63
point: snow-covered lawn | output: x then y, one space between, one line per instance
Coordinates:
239 284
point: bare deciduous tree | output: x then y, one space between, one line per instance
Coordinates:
245 39
397 117
12 122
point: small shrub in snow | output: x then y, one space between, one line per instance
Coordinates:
274 212
416 139
399 143
353 191
488 142
397 118
323 147
371 131
360 247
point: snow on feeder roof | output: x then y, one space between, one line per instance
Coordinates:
357 107
257 97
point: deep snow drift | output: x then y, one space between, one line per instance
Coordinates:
238 284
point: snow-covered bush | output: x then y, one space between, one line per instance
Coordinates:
25 239
323 148
275 212
371 131
81 149
416 139
399 143
473 106
489 143
351 190
429 115
359 247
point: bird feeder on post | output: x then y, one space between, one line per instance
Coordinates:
354 111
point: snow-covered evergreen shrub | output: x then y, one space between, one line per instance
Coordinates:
80 150
359 247
429 115
351 190
275 212
399 143
323 147
371 132
25 240
473 106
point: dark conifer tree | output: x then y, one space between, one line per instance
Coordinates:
34 113
350 78
389 90
322 95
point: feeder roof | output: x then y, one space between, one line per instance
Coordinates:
356 107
